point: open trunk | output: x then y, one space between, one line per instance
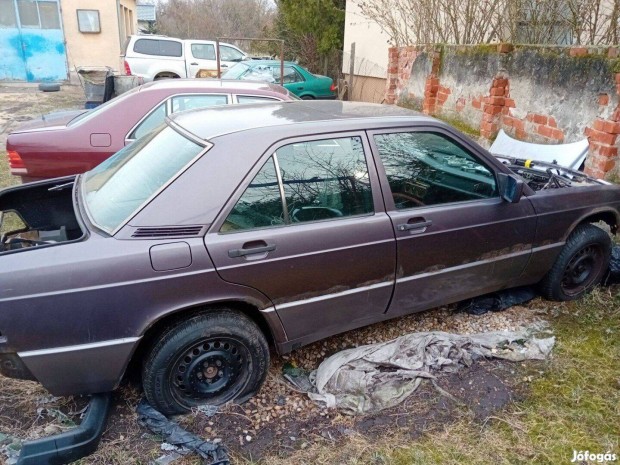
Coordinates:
38 214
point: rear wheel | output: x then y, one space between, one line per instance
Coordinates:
211 358
307 97
581 265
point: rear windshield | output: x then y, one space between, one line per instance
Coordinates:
88 115
116 189
236 71
161 47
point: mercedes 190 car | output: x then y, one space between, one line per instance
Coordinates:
230 229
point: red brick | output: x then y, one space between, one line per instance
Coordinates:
445 90
544 130
476 103
604 150
557 134
500 82
578 51
508 121
594 172
520 133
551 122
510 103
495 100
599 124
600 136
617 78
603 99
539 119
492 109
519 125
497 91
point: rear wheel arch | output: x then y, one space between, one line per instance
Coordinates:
166 75
157 328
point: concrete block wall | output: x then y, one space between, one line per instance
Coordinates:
535 93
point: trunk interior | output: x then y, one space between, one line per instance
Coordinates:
37 215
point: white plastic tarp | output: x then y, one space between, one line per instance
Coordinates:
378 376
567 155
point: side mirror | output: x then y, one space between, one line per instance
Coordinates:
510 188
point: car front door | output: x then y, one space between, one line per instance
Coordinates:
456 237
309 230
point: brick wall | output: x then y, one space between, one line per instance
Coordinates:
539 94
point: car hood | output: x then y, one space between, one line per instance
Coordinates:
50 120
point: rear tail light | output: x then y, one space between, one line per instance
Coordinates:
15 161
127 68
333 87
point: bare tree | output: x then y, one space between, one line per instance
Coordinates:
484 21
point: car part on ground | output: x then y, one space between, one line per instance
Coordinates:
49 87
172 433
71 445
213 357
374 377
497 301
372 210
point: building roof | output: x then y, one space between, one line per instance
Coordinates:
145 10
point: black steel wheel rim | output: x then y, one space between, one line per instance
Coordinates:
582 269
212 370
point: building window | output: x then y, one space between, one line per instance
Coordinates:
88 21
7 14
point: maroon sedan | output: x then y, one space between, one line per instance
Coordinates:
71 142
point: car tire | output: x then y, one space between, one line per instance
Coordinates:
307 97
211 358
49 87
581 265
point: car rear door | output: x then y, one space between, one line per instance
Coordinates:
456 238
200 59
309 230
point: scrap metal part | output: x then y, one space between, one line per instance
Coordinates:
71 445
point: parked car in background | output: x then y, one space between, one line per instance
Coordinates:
227 229
297 79
161 57
71 142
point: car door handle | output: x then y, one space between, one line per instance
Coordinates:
251 249
414 224
193 64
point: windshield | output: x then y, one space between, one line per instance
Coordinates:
104 106
118 187
236 71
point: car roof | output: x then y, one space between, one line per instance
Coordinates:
209 123
254 63
221 85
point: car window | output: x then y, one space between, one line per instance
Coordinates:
168 48
426 168
156 118
189 102
230 54
321 180
290 75
260 205
236 71
115 189
203 51
255 99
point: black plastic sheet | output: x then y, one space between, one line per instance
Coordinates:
172 433
497 301
613 274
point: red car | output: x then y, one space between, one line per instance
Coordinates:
71 142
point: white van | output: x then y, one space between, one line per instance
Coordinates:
159 57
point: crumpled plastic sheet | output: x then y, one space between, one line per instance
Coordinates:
172 433
375 377
613 274
497 301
